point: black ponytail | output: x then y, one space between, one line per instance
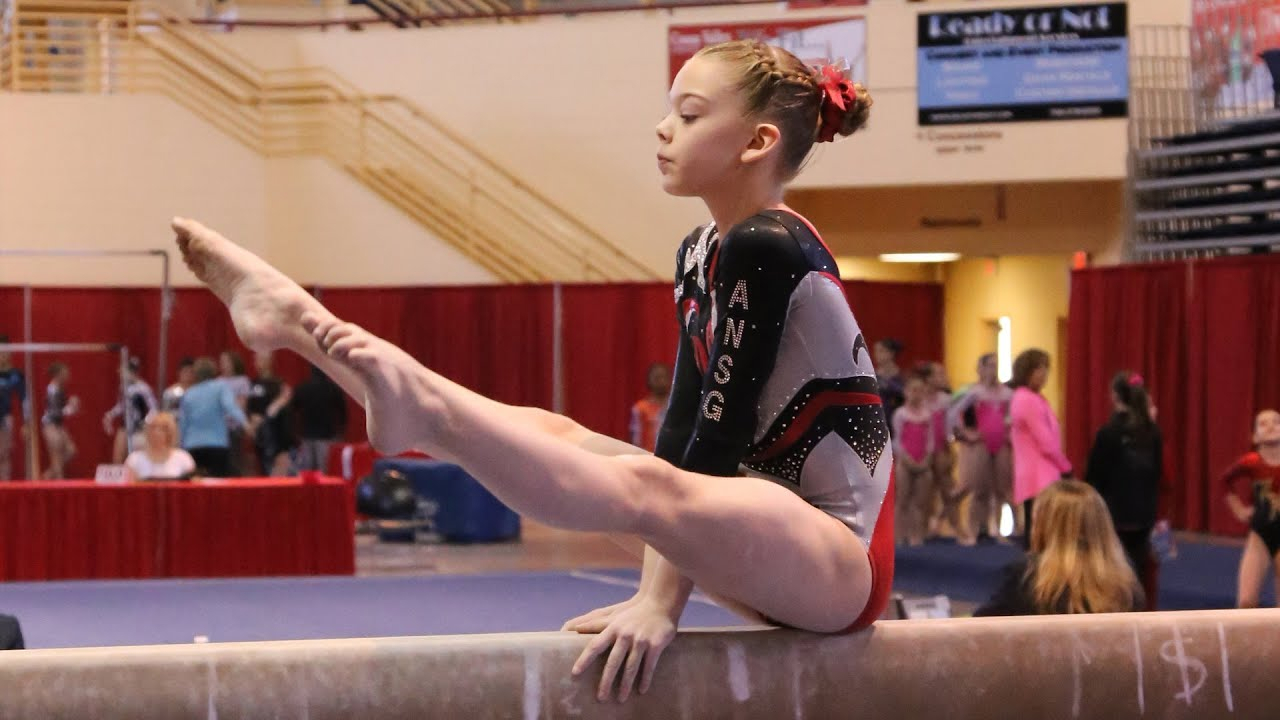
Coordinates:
1131 390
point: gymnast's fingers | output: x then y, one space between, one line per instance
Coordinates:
593 648
617 656
650 664
634 662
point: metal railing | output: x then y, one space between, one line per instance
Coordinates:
1182 81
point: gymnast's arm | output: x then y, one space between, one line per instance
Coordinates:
955 414
1241 468
660 580
754 285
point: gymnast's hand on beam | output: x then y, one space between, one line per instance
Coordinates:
638 633
598 619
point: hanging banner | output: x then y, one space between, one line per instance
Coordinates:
815 41
1067 62
1226 37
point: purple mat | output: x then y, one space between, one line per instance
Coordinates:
146 612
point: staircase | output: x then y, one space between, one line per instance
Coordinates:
392 146
416 13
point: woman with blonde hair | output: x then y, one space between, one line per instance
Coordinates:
1075 563
160 458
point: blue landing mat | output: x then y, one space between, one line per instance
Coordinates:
1203 576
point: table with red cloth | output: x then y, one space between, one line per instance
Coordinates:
211 528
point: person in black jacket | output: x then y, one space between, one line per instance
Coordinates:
321 414
1075 563
1125 467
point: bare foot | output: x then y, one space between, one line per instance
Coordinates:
265 306
401 410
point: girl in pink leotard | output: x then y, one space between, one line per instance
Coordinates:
979 420
914 447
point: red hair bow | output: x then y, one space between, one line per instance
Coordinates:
1135 380
838 95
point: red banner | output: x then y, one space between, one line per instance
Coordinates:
812 4
1226 37
815 41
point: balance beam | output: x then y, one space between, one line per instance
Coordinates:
1206 664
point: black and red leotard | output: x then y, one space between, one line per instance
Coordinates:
773 379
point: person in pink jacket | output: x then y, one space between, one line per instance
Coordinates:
1038 461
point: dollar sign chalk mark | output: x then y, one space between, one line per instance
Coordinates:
1174 652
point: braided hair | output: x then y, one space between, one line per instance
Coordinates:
778 87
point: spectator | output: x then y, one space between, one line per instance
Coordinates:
226 12
207 412
1125 467
232 372
160 458
889 375
321 412
269 418
945 499
172 397
58 407
1075 563
648 412
913 451
136 402
1037 440
979 419
13 385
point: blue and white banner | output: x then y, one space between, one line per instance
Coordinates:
1065 62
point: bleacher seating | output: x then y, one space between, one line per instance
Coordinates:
1217 190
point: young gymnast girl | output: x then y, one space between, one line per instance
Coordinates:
771 485
1259 471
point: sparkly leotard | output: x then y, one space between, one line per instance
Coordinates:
774 379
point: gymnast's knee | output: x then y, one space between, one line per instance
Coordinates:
554 423
652 487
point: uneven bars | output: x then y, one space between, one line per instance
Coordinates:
60 347
31 252
33 463
166 293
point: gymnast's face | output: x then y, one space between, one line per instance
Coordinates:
702 140
159 437
916 392
659 380
1266 428
987 371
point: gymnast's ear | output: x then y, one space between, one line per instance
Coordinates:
765 142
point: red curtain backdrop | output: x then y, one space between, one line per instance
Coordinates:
909 312
612 333
238 528
1206 337
496 340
